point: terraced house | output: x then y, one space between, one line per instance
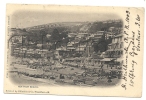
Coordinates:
114 54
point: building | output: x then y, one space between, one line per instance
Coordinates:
109 35
62 51
97 36
72 34
114 54
16 39
70 47
30 53
81 48
22 52
15 52
44 53
81 35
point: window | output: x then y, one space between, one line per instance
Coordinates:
112 46
121 52
116 40
118 52
121 45
113 40
120 38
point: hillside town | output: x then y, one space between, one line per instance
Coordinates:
62 56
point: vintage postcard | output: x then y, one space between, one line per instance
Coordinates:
74 50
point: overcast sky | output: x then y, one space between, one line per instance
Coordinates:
24 19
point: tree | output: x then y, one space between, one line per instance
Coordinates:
24 30
63 35
55 35
102 44
55 39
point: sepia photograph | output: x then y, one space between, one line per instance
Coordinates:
68 50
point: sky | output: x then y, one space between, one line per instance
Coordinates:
23 19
